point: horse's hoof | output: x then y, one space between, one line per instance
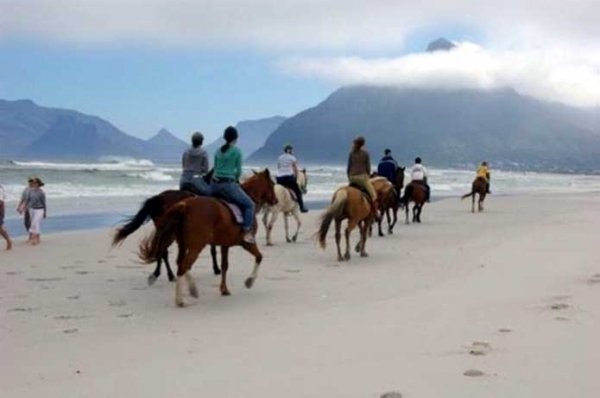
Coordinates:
347 256
249 282
288 240
295 238
381 235
194 291
151 279
172 278
269 244
180 304
217 271
364 255
225 292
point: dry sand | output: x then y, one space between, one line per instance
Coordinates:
500 304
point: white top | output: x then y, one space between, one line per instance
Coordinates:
285 165
418 172
2 194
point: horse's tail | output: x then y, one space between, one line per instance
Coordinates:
157 243
151 206
467 195
335 210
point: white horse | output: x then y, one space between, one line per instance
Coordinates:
286 205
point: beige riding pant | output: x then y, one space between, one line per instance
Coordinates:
363 181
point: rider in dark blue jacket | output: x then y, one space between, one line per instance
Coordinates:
387 167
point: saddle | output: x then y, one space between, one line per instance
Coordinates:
235 210
363 191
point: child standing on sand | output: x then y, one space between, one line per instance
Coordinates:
35 202
3 232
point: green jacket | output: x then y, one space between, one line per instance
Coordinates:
228 164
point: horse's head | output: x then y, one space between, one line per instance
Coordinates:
260 187
399 184
302 180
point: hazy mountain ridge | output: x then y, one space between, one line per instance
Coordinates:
446 127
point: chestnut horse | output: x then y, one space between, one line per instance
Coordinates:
416 193
199 221
347 203
479 187
388 198
154 208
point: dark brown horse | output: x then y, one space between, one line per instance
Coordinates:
154 208
388 199
479 187
415 192
347 203
199 221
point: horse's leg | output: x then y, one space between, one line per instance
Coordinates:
414 211
298 223
224 268
253 249
394 219
380 221
358 247
481 199
170 274
215 263
183 267
406 210
287 227
473 203
154 276
274 215
351 225
419 212
363 239
193 289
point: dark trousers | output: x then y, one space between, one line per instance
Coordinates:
291 183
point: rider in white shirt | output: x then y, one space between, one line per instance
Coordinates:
287 174
418 175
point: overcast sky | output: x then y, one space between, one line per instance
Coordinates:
187 65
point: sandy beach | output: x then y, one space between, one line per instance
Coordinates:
500 304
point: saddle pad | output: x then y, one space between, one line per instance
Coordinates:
235 210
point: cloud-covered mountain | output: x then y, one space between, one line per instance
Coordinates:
446 127
253 134
29 131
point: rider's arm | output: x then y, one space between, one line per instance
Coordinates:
295 168
368 163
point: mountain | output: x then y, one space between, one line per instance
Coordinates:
253 134
164 147
447 128
440 44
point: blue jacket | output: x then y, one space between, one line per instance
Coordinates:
387 168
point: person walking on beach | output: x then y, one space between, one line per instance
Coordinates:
387 166
359 170
35 203
287 174
227 171
194 163
22 208
483 171
3 232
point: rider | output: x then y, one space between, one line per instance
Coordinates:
227 171
287 174
359 170
387 166
418 175
194 163
484 172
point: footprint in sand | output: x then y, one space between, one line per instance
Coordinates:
13 272
479 348
124 315
70 331
473 373
83 272
101 261
75 297
559 306
23 309
504 330
562 318
69 317
45 279
595 279
391 394
117 303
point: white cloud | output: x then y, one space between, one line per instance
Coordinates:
546 74
285 24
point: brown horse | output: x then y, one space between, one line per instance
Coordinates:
154 208
387 201
347 203
416 193
199 221
479 187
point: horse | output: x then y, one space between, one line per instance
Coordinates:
286 205
154 208
199 221
416 193
387 200
347 203
479 186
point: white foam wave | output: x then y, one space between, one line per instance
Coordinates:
133 164
156 175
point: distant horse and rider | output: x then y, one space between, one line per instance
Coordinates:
480 187
417 191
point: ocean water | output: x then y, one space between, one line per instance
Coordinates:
116 187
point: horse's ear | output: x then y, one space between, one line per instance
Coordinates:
267 173
254 172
